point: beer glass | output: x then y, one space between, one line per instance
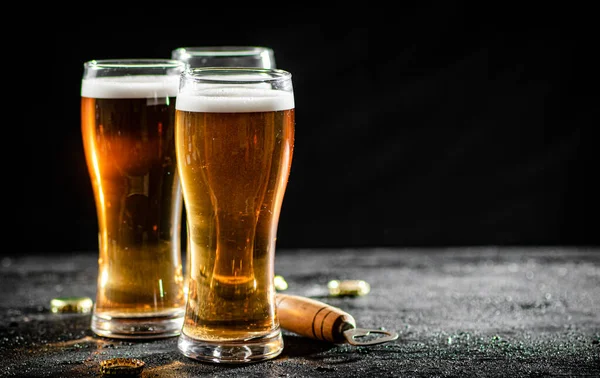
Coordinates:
127 124
225 56
234 138
220 56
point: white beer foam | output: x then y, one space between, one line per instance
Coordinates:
138 86
234 99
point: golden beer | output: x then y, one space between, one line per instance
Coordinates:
221 56
128 135
234 152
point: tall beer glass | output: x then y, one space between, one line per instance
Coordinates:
225 56
220 56
234 138
127 123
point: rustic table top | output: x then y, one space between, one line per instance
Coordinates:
487 311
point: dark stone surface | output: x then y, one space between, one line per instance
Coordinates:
499 312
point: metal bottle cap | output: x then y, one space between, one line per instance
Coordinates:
122 367
348 288
71 305
280 283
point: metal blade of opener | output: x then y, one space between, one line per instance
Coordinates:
354 336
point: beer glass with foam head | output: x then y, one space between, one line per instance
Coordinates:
225 56
220 56
234 138
127 124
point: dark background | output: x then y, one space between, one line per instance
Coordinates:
438 128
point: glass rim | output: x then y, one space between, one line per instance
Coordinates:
134 63
228 50
219 75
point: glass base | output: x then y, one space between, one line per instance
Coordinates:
139 327
232 352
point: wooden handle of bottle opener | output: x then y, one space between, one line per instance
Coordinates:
311 318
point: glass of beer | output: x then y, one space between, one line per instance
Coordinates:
234 139
225 56
127 124
220 56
